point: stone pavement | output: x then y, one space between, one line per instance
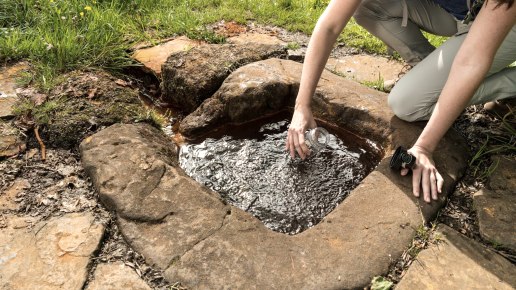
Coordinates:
52 254
456 262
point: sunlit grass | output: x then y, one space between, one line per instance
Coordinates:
63 35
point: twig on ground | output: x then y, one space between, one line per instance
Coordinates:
41 144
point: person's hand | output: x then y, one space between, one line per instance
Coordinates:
301 121
424 175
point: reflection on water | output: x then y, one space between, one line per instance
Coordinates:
257 175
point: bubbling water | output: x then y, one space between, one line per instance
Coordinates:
258 176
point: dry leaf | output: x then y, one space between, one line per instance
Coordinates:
91 93
121 82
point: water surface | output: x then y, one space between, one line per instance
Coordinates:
255 173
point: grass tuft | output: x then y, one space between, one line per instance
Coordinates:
502 141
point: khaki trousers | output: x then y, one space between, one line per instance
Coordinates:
399 24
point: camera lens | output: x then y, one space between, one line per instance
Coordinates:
402 159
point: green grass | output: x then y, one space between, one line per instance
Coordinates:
63 35
376 84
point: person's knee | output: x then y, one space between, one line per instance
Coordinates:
395 103
365 13
400 103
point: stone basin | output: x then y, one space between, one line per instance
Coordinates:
198 240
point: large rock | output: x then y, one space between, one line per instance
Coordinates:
503 177
54 254
116 276
192 76
271 85
252 91
134 168
496 205
133 178
205 244
457 262
259 38
10 78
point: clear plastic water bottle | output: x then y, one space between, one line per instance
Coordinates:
316 139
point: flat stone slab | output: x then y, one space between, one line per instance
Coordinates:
9 77
503 177
154 57
200 241
262 38
458 263
496 205
365 68
116 276
54 254
11 140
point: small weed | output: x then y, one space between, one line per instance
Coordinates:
40 115
377 84
336 72
496 244
423 238
381 283
293 45
177 286
24 79
206 35
153 117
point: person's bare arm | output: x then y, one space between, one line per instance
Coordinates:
325 33
468 70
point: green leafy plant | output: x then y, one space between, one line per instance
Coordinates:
381 283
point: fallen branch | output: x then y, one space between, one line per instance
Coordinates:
41 145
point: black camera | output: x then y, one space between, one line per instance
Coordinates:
402 159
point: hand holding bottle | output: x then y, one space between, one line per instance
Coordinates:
302 120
